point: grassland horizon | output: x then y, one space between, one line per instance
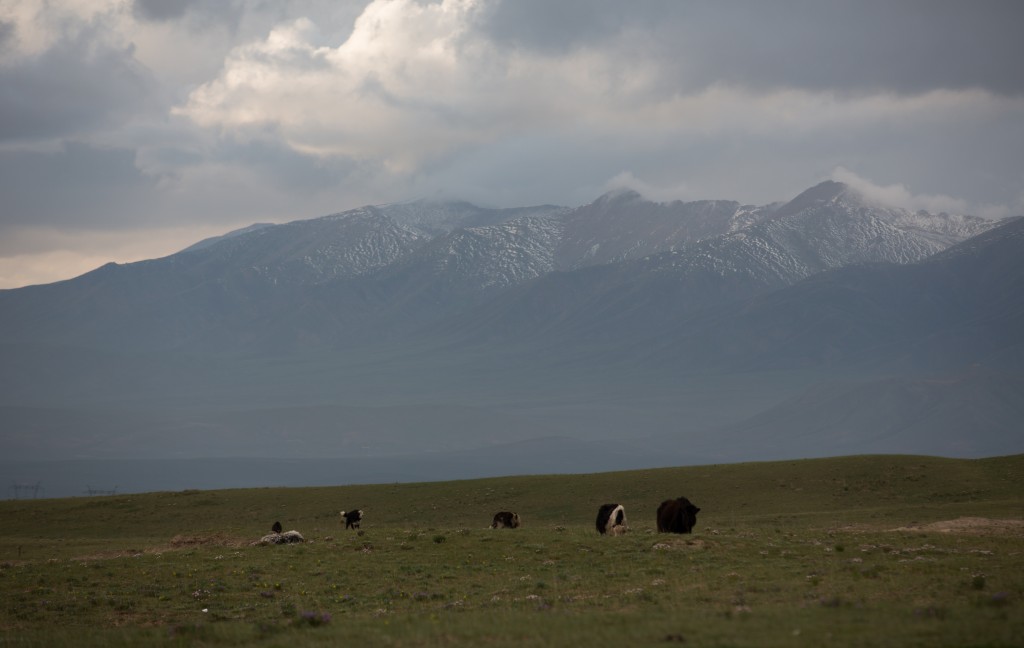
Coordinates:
867 550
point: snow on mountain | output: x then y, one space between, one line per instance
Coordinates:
476 259
621 319
415 264
829 226
622 225
338 246
934 231
435 218
470 248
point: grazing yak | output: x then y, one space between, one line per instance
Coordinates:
505 520
611 518
352 518
677 516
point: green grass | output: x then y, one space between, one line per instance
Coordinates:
835 552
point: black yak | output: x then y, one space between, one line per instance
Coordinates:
677 516
505 520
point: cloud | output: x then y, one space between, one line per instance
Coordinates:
851 46
407 85
76 185
897 195
39 26
160 10
66 74
417 83
559 27
7 30
70 89
658 193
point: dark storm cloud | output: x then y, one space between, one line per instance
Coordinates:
904 47
557 26
198 15
159 10
910 46
78 186
74 86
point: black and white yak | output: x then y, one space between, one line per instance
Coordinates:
352 518
611 519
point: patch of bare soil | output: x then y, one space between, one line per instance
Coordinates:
970 525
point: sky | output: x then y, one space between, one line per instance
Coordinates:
130 129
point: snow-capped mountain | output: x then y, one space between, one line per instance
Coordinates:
622 314
435 218
676 260
621 225
393 268
313 251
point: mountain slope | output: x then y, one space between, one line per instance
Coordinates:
962 306
621 225
614 321
827 227
971 414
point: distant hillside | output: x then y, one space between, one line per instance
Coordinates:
707 329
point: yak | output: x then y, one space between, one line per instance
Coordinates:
505 520
611 519
352 518
677 516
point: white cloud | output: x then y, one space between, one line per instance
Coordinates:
38 26
416 83
897 195
655 192
412 83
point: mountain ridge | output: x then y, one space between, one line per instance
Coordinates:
620 320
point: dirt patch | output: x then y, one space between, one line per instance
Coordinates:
970 525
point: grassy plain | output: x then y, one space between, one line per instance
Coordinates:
855 551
